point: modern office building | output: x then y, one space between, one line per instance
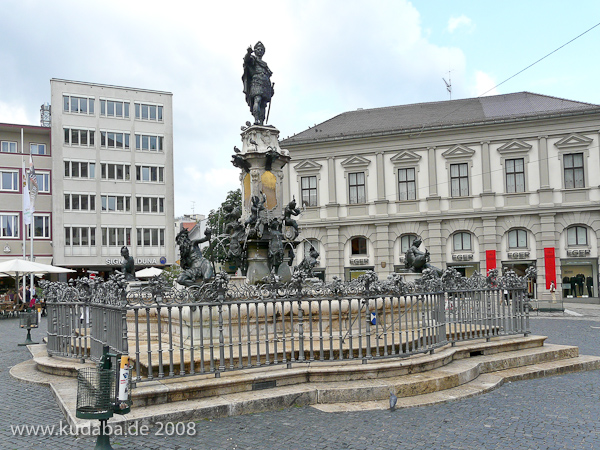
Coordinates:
112 166
506 181
17 144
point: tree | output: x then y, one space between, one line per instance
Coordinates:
216 223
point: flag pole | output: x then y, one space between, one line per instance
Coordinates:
31 224
23 181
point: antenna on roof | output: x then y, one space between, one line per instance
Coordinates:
448 84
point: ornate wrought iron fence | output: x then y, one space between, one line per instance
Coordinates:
219 326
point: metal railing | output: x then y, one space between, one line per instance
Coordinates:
219 327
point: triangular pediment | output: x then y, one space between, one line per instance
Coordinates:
458 151
355 161
308 166
515 146
406 157
574 140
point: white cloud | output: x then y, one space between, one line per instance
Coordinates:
484 85
12 113
460 21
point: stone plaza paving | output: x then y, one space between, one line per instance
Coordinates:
560 412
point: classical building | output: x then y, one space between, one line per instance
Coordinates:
17 144
113 174
506 181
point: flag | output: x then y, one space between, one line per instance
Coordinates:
26 198
33 185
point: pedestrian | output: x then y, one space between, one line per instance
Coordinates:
506 296
553 291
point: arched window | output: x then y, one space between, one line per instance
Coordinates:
577 236
406 241
359 246
462 242
517 239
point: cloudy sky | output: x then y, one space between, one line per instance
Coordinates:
328 56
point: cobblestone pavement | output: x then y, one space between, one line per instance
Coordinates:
559 412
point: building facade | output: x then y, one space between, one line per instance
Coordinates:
17 144
507 181
113 168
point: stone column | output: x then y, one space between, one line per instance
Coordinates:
383 251
381 204
335 254
433 201
545 191
332 205
435 243
488 242
488 195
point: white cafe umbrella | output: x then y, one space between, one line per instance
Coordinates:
148 272
14 267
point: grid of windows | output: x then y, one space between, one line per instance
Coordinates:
152 174
43 181
9 225
113 139
459 180
80 236
577 236
309 191
41 226
80 202
462 242
119 203
356 187
517 239
407 186
116 236
359 246
145 111
115 171
148 143
8 147
151 237
114 108
82 138
515 175
80 169
9 180
37 149
150 204
78 105
574 174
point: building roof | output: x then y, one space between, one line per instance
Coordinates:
445 114
188 225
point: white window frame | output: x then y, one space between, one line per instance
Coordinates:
88 101
48 227
517 233
105 200
91 236
462 248
7 145
16 224
576 228
160 204
88 164
91 198
15 180
139 108
90 133
160 237
159 170
364 186
116 232
37 147
126 140
104 106
125 167
309 189
139 142
44 187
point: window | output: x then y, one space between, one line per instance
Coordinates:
116 237
462 242
118 203
515 175
80 202
115 171
114 108
406 242
577 236
9 225
8 147
43 181
407 188
82 138
112 139
359 246
459 180
356 185
150 204
150 174
148 143
517 239
148 112
41 226
80 236
78 105
308 244
9 180
309 191
37 149
150 237
574 176
80 169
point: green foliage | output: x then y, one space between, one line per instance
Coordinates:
171 273
216 223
